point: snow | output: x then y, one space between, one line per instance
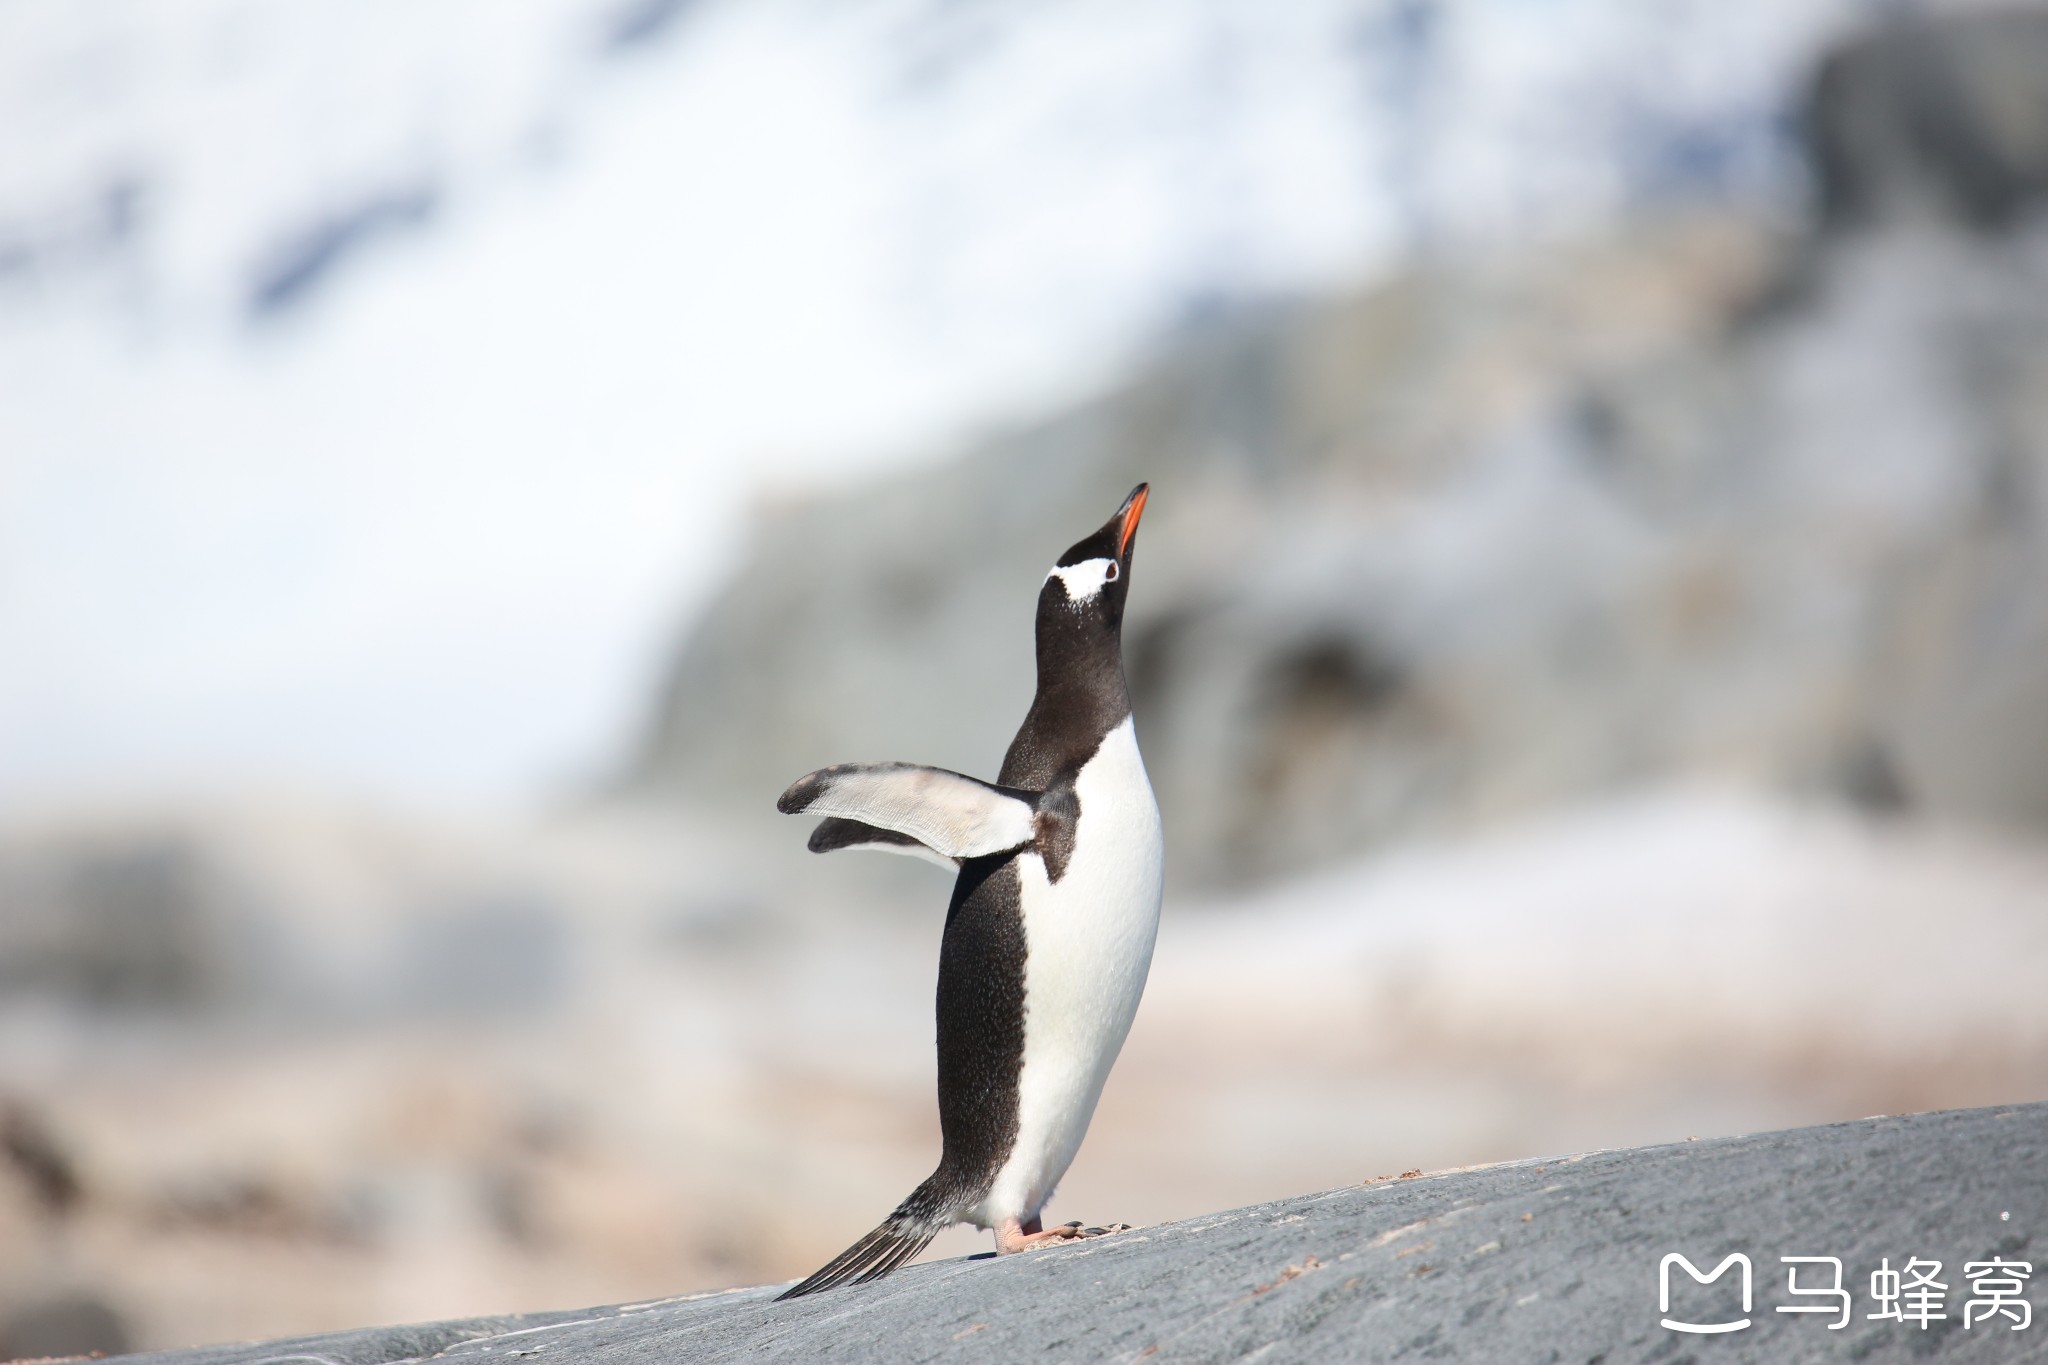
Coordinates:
383 385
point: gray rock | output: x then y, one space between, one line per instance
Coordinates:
143 925
1538 1260
203 917
75 1324
1940 118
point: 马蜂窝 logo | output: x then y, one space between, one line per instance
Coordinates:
1909 1296
1664 1291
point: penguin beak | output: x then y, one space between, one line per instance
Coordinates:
1133 508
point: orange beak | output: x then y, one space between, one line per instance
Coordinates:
1133 509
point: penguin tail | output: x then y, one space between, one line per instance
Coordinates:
900 1237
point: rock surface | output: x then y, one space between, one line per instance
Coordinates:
1549 1259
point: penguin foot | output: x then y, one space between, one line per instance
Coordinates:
1014 1236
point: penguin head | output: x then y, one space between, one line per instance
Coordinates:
1084 594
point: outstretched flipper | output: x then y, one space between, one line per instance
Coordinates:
835 832
951 815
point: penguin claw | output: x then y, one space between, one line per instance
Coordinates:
1075 1229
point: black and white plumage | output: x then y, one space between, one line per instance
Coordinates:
1049 933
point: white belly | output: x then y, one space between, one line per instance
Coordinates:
1088 940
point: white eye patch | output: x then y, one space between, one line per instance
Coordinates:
1085 580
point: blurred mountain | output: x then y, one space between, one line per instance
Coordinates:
588 273
1511 529
197 161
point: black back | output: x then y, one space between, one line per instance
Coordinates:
1081 697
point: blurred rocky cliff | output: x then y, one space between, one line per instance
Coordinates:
1703 497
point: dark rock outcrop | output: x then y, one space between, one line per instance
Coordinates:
1934 118
1539 1260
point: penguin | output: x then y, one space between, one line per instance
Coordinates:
1049 933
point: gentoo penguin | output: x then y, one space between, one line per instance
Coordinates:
1049 933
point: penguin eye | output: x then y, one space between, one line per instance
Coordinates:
1109 575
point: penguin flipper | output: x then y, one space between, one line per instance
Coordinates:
835 832
949 813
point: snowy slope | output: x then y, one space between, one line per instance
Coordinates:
381 384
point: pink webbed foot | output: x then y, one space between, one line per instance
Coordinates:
1013 1236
